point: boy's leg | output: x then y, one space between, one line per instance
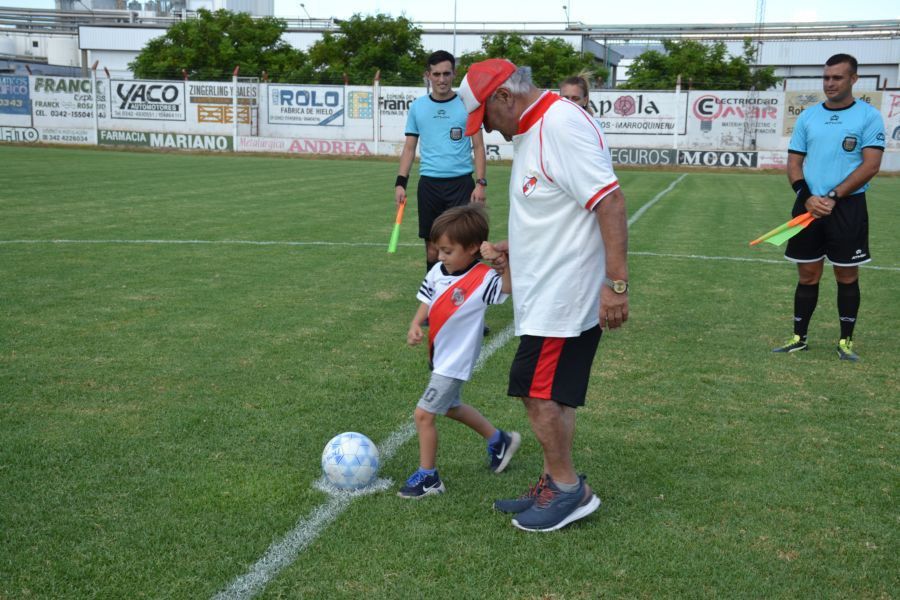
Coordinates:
501 447
428 438
469 416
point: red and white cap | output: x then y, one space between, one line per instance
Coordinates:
481 80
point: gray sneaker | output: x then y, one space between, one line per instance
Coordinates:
523 502
554 509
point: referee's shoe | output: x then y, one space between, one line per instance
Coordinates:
845 350
795 344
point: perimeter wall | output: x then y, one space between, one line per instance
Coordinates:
694 128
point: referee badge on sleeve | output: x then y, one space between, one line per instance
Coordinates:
849 144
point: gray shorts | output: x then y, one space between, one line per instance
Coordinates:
442 394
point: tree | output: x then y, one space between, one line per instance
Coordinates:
702 66
551 59
366 45
210 46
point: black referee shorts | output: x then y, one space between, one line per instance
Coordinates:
842 236
437 194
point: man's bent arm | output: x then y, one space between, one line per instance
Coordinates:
795 167
860 176
479 194
610 214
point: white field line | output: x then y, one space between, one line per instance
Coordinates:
768 261
634 217
639 212
212 242
283 552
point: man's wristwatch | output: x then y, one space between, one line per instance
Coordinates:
481 181
619 286
833 195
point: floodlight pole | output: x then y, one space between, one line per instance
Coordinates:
234 108
96 106
677 109
376 111
454 28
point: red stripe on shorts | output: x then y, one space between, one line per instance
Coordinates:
545 370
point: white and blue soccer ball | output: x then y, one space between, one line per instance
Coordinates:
350 461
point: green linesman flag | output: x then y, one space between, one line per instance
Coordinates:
785 231
395 234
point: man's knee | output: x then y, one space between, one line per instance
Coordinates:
846 274
809 273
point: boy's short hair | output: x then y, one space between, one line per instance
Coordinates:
465 225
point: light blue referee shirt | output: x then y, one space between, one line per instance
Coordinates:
832 141
444 150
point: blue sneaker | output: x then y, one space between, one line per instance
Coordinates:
421 484
503 451
554 509
523 502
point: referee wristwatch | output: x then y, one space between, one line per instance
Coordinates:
833 195
482 182
619 286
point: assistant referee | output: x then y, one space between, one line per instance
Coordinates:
834 152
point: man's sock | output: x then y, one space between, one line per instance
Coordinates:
848 307
568 488
427 471
805 299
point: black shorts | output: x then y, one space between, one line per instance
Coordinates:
437 194
555 369
842 236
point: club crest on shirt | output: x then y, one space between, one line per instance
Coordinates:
849 144
458 297
456 133
529 184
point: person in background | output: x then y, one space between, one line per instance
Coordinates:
436 125
576 89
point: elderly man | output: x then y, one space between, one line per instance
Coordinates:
567 253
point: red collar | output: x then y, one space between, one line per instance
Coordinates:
534 112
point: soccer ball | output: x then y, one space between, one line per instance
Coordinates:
350 461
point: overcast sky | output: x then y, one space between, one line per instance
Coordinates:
591 12
595 12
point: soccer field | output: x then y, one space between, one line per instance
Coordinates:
180 335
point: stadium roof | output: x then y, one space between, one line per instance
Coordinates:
55 21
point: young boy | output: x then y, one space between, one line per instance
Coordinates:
454 295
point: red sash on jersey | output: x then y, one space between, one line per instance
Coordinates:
443 308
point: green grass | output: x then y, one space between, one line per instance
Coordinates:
163 407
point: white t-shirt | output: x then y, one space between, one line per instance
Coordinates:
456 305
561 170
